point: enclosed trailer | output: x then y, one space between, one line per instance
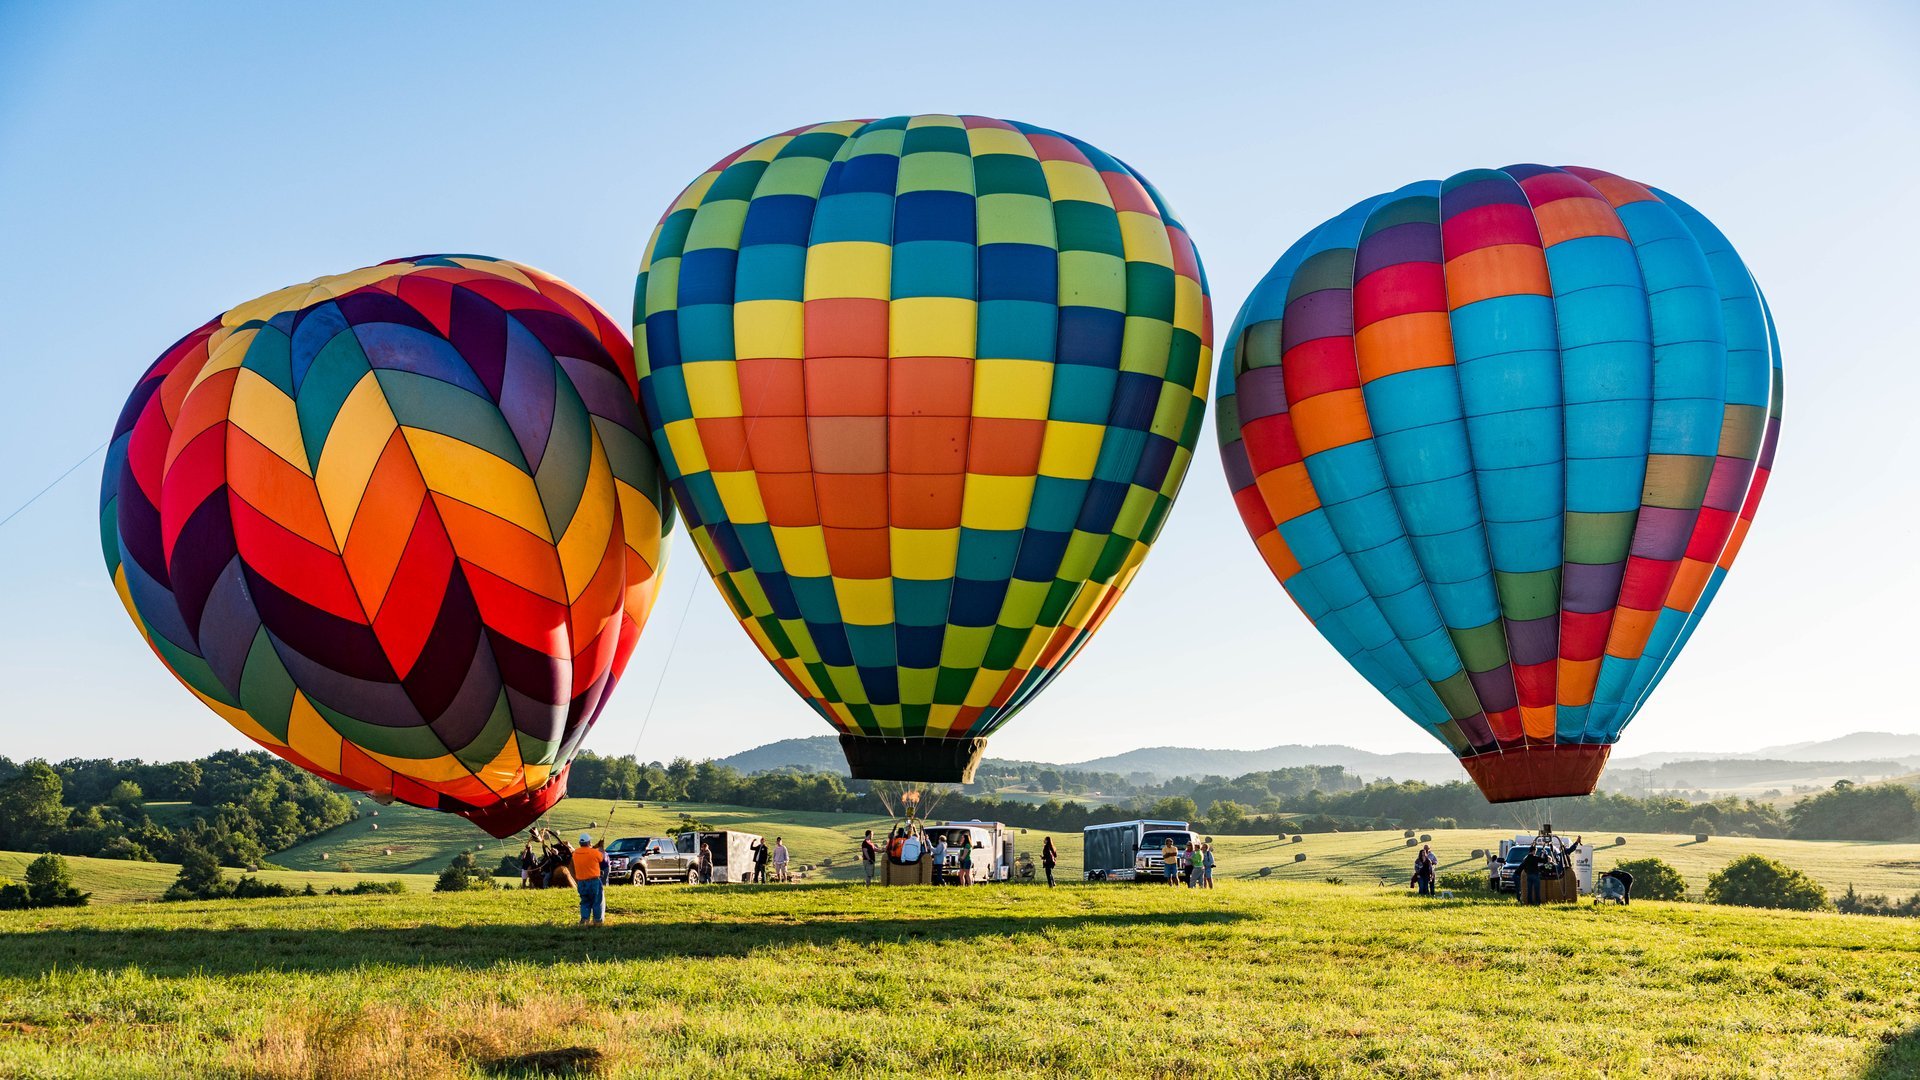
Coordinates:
732 853
991 841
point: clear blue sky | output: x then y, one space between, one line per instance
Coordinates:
160 163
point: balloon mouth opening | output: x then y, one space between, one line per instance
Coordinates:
930 761
1538 771
509 816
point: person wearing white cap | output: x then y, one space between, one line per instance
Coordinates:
590 880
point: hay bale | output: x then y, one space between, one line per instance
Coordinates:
376 826
386 851
1297 838
1426 838
1700 838
1619 841
325 855
1408 833
1411 842
1266 871
1299 856
1479 853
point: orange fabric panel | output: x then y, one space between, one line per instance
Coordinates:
1325 421
1500 270
772 387
848 444
1005 447
1279 556
846 326
724 440
1288 491
1570 219
778 444
789 498
931 501
930 386
1577 679
927 444
858 553
852 501
845 385
1419 339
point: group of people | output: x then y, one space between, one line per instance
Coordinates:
1192 862
559 863
763 855
1425 868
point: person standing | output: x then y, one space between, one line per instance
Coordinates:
762 855
1170 860
779 858
940 862
590 880
966 863
705 864
1423 869
1206 865
1190 864
869 854
1049 858
526 863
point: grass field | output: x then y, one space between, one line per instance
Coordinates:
116 880
421 841
1254 978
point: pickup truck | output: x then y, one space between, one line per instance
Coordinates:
624 856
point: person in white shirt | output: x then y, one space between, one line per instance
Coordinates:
779 859
940 862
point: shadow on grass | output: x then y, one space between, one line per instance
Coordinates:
1897 1059
183 951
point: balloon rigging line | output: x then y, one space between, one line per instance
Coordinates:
55 483
673 644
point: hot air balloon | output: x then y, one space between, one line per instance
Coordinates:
400 526
1500 437
925 389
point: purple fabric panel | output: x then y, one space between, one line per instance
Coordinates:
1590 588
1415 241
1534 641
1323 314
1261 392
1494 688
1662 532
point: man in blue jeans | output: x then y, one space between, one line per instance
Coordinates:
590 880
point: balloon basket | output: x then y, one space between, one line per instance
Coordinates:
934 761
1538 771
918 872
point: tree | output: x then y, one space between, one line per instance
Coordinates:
50 884
1049 780
126 797
1757 881
1227 816
1855 812
30 807
1654 879
462 874
121 847
200 877
1702 826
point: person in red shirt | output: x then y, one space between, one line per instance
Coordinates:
590 880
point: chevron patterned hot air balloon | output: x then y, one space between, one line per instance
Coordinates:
1500 437
925 388
400 526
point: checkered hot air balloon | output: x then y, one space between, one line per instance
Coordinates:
1500 437
400 526
925 389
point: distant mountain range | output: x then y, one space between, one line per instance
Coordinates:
1867 753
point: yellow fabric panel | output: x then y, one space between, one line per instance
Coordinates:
932 326
308 293
641 520
997 140
865 601
940 720
1070 180
996 502
504 771
1145 238
271 418
849 268
683 438
923 554
584 544
312 737
436 770
465 472
803 550
354 444
986 683
1036 643
766 149
766 329
537 775
713 387
1071 449
1189 307
843 716
695 192
740 495
1012 389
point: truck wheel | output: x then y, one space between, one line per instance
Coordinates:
693 877
640 878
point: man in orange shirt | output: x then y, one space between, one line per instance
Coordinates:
590 880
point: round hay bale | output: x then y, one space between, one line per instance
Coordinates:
1479 853
1426 838
376 826
1299 856
1266 871
1407 833
325 855
1699 838
1411 842
1297 838
386 851
1619 841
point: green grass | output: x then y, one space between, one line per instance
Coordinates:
1263 978
117 881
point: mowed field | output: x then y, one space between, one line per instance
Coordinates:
411 840
116 880
1253 978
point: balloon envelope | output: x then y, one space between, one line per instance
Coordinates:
1501 436
400 526
925 388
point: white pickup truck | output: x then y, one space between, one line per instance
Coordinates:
1130 850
